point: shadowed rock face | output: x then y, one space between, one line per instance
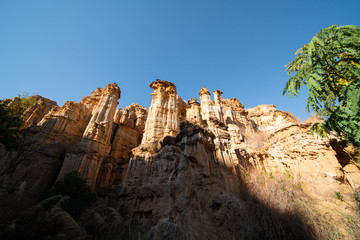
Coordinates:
181 182
175 165
39 161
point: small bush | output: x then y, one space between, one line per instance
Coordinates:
339 196
80 195
11 120
10 124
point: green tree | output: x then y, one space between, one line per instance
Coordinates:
329 65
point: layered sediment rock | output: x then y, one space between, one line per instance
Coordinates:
176 166
37 108
164 117
306 156
92 100
183 181
39 162
207 105
193 112
88 155
129 124
268 118
34 114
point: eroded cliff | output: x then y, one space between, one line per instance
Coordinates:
178 166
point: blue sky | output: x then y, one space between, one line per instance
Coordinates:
65 49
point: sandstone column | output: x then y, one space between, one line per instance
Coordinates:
218 108
87 155
193 112
206 103
163 118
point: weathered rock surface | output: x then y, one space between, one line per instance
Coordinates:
193 112
352 175
268 118
309 157
176 166
181 182
37 108
129 124
164 114
37 165
92 100
88 155
34 114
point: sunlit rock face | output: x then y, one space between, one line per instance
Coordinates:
268 118
92 100
176 166
309 157
88 155
193 112
164 116
129 124
39 107
34 114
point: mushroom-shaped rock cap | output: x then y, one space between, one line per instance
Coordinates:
203 91
161 83
219 92
193 101
112 88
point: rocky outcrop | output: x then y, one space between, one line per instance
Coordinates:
180 182
32 108
208 109
305 156
352 176
63 125
92 100
129 124
164 116
88 155
268 118
177 165
35 113
193 112
38 163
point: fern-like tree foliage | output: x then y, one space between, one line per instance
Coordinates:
329 65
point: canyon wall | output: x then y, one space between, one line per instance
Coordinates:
177 165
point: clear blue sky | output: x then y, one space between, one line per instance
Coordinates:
65 49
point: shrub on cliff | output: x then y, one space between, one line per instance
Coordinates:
11 121
78 195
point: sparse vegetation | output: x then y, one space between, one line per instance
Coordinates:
77 196
11 120
284 211
339 196
57 213
10 133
